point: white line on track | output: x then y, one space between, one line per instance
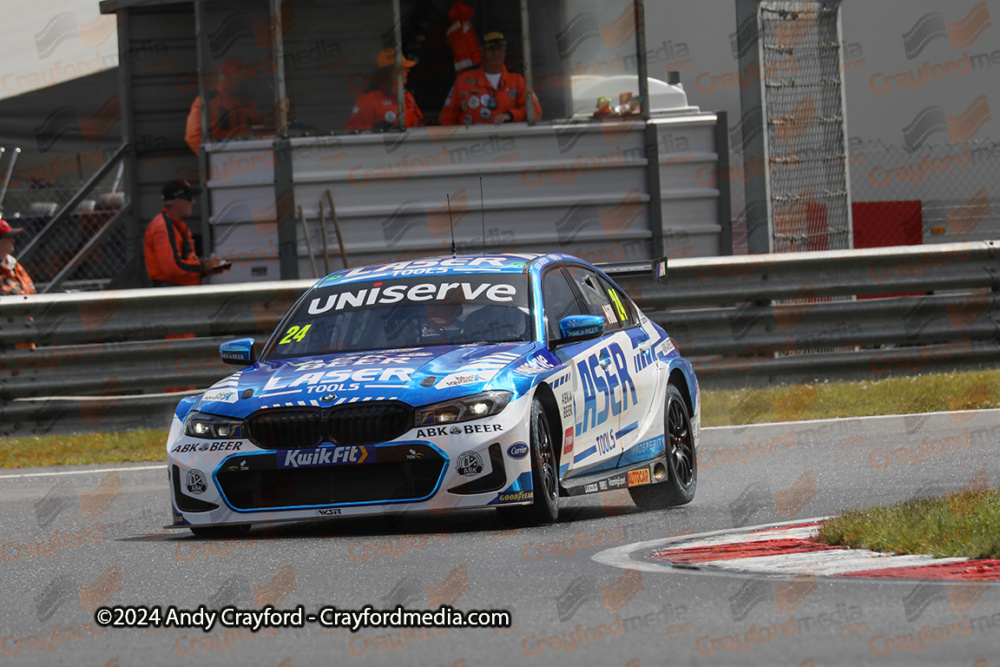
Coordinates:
82 472
834 419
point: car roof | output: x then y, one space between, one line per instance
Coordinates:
457 264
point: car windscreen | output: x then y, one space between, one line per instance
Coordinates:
407 312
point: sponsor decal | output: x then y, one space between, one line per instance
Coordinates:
317 382
222 396
486 368
227 446
518 450
195 482
568 441
436 431
439 265
326 456
515 496
469 463
537 364
638 477
241 466
590 488
362 359
644 451
379 294
459 379
330 511
618 482
597 380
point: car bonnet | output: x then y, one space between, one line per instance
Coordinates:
416 376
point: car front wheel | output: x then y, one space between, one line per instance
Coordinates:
544 473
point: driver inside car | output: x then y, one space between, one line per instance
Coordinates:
441 326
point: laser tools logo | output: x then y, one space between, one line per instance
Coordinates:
932 120
932 26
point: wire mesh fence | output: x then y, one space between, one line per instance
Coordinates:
803 91
31 205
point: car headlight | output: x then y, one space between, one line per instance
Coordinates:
463 409
204 425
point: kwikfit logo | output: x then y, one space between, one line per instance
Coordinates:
326 456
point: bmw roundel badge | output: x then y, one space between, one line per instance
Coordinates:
329 397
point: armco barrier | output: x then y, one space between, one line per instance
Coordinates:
753 319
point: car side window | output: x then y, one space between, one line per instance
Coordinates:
595 295
558 301
624 309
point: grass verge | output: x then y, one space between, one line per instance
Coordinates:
83 449
966 523
975 390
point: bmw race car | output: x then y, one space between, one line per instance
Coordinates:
503 381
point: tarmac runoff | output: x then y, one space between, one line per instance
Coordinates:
787 550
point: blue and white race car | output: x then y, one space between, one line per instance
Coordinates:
503 381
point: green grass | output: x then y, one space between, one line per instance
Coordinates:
974 390
52 450
966 523
926 393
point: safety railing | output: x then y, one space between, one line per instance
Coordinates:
104 360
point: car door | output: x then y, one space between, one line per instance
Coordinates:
602 384
559 300
637 345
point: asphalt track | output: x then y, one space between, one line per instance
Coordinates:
72 540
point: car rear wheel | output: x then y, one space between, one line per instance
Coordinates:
216 532
682 462
544 473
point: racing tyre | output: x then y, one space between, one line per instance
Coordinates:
544 474
682 463
220 531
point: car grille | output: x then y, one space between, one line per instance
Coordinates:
354 424
400 473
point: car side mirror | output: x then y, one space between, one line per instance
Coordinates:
576 328
240 352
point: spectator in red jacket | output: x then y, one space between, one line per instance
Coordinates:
377 108
488 93
13 278
168 245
